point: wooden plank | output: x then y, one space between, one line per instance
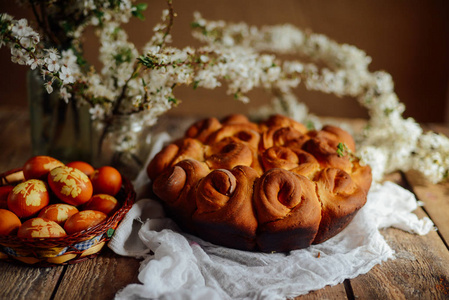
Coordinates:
329 292
20 281
98 278
24 282
435 198
419 271
105 275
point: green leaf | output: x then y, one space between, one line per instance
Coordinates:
388 111
123 55
138 15
99 14
195 25
341 148
138 9
310 125
141 6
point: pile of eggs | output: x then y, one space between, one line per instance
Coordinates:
56 199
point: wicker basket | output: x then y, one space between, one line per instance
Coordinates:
73 248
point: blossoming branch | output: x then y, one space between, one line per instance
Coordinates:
388 143
133 82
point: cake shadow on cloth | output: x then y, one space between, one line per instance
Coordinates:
180 265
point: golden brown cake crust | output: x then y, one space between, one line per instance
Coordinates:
225 211
268 186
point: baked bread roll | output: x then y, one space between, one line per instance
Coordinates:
225 211
287 209
268 186
292 159
340 199
176 185
173 153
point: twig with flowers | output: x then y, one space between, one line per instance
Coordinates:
65 67
388 143
142 86
25 51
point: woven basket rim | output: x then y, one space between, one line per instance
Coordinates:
127 193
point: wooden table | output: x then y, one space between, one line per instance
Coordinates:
420 270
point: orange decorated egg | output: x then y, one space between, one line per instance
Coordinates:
82 166
4 192
39 166
104 203
106 180
40 228
9 222
58 213
83 220
70 185
28 198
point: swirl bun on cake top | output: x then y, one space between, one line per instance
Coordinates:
272 186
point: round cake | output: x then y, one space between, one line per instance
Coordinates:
272 186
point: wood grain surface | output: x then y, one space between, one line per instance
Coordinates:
419 271
103 275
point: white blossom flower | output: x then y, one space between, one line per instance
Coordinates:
64 94
236 55
52 61
137 100
66 75
69 59
21 28
19 56
48 87
34 63
97 112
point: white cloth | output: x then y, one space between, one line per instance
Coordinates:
185 267
181 266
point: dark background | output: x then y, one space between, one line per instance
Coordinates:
407 38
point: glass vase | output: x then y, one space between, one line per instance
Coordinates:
65 131
58 129
122 141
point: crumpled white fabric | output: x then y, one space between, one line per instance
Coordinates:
185 267
181 266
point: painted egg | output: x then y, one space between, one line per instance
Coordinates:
58 213
70 185
9 222
104 203
82 166
83 220
39 166
4 192
106 180
40 228
28 198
